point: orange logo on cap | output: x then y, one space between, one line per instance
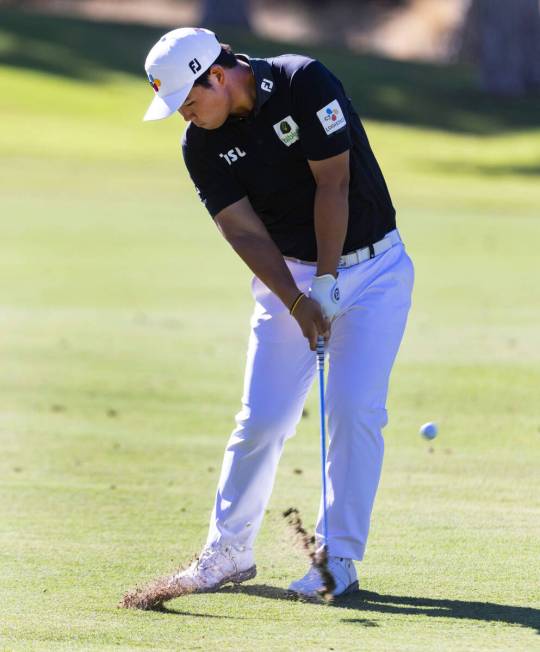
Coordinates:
155 83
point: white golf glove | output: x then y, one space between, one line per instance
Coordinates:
324 289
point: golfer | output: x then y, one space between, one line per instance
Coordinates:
280 160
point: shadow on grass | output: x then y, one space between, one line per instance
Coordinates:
166 610
416 94
369 601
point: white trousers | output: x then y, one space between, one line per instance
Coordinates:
365 337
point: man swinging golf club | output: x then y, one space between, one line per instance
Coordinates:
282 163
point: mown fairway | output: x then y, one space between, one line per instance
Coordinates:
124 318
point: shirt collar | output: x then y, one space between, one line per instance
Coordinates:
265 85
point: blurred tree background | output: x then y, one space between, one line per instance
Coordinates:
501 38
504 37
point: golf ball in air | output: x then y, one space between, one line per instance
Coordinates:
429 430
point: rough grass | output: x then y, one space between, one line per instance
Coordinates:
124 320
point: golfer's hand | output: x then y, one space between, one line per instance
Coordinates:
311 320
325 290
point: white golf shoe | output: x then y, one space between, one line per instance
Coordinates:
217 565
341 569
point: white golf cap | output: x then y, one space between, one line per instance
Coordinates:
173 65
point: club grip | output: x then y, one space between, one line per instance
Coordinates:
320 352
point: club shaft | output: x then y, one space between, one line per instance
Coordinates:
322 410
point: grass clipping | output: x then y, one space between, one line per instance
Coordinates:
157 592
319 558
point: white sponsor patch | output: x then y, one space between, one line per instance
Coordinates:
331 117
287 130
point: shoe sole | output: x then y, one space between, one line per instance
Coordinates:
237 578
352 588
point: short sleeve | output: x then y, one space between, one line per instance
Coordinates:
215 185
320 107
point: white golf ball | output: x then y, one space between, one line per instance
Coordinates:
429 430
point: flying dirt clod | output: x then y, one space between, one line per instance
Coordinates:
319 558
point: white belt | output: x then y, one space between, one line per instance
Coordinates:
360 255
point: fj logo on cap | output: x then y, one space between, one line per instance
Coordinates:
331 117
195 66
267 85
287 130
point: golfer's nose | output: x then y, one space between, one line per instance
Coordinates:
186 113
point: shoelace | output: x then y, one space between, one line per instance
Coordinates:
340 569
333 566
313 574
210 556
337 569
206 566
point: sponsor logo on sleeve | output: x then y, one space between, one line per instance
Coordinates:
331 117
287 130
267 85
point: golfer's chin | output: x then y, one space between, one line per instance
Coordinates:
209 124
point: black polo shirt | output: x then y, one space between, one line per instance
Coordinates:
301 112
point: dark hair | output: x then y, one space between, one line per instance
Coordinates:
226 59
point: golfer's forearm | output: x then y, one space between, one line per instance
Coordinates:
331 211
261 255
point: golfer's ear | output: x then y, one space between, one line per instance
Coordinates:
219 74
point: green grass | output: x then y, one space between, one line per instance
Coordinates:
124 319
